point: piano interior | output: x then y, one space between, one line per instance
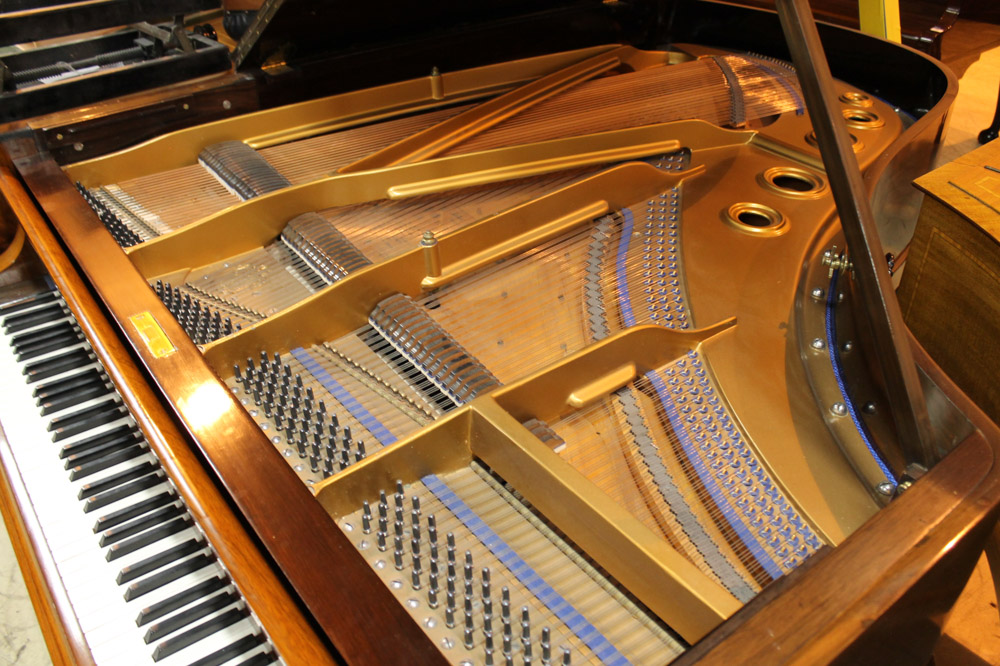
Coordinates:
560 354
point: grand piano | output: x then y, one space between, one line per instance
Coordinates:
485 335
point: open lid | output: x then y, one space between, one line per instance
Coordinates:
293 32
23 21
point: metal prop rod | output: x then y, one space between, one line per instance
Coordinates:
871 277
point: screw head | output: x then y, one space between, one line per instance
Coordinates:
818 343
818 294
885 488
226 104
869 408
838 409
847 346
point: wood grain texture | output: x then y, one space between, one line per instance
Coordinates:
950 290
343 595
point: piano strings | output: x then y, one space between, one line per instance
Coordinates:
709 88
462 550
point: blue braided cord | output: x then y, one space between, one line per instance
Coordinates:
343 396
621 278
707 480
535 584
628 316
838 373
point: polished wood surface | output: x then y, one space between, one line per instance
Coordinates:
923 22
77 134
950 289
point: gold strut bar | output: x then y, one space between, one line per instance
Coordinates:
435 140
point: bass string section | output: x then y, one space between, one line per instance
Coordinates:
723 90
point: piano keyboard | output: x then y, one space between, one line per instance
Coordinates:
145 584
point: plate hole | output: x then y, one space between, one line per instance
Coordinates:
856 98
787 181
862 118
756 219
792 181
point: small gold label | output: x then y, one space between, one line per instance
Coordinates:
149 330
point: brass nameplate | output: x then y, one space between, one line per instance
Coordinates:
152 335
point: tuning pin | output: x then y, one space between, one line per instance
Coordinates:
366 517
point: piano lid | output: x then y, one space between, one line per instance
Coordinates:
293 32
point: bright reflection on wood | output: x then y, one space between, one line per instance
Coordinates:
205 405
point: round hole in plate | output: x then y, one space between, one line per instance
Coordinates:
756 219
862 118
857 144
793 182
856 98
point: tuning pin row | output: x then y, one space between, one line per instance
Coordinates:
201 323
120 231
314 434
414 542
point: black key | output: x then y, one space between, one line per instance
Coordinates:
124 433
74 398
106 461
133 544
49 346
261 659
183 598
22 340
86 419
121 492
50 390
115 518
73 418
19 322
189 615
116 479
234 649
55 365
67 383
103 449
158 561
55 337
203 630
29 302
161 515
158 580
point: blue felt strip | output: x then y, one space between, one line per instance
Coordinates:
544 592
707 480
355 408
